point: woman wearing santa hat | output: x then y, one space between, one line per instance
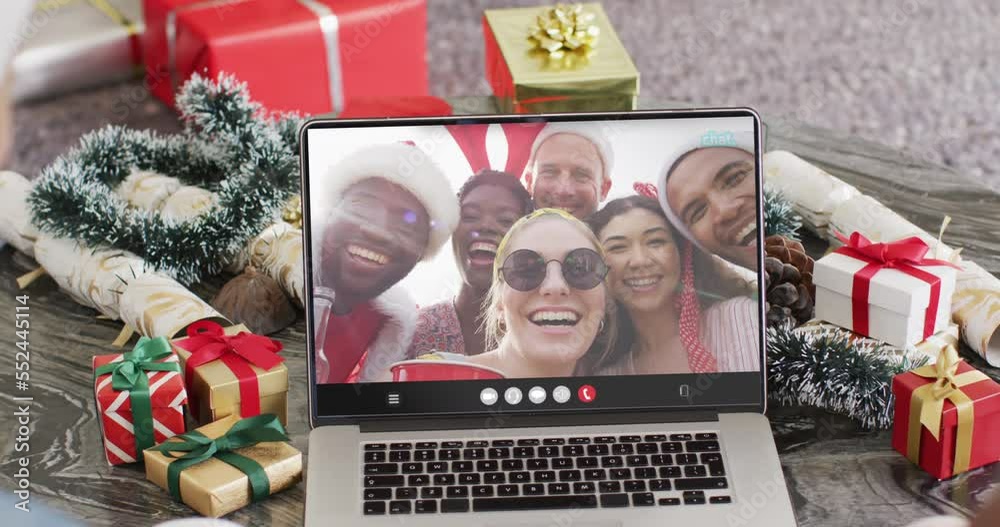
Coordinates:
707 190
681 311
387 211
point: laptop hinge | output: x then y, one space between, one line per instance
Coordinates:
533 420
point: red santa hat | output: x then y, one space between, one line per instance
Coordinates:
406 165
590 131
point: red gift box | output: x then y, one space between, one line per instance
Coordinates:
310 56
938 455
167 397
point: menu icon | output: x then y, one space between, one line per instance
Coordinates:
393 399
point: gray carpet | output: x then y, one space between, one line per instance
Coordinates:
914 74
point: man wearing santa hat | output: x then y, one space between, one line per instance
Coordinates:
569 168
390 207
707 190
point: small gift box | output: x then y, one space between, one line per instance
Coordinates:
232 372
140 398
558 59
224 466
946 416
887 291
295 55
78 44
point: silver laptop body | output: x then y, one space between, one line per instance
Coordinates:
373 445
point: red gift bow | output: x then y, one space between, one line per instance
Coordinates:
207 342
902 255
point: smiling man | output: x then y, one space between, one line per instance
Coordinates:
569 168
708 193
389 210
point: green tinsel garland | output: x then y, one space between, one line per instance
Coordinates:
228 147
831 371
779 218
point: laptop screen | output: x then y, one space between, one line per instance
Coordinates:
531 264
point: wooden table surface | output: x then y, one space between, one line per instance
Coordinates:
837 474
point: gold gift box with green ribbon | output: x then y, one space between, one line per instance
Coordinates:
226 465
564 58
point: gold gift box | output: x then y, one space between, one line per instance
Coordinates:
528 80
216 390
213 487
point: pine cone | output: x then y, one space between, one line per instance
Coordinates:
790 291
256 301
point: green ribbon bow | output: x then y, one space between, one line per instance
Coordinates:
129 374
196 447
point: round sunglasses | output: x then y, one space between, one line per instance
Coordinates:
525 270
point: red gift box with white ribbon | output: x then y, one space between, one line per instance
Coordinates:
167 398
309 56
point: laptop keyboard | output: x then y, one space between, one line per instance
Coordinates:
649 470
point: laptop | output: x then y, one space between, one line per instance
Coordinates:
537 320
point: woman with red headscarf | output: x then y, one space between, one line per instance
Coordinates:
682 310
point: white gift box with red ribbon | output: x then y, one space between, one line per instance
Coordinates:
868 289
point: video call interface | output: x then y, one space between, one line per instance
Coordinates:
519 250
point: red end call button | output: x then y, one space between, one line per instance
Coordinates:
586 393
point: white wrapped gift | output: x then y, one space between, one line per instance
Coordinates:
814 193
897 303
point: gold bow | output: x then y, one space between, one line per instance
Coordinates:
292 212
927 405
563 29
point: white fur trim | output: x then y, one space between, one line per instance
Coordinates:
588 131
741 140
409 167
394 338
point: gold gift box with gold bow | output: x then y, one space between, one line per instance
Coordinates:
214 488
558 59
215 389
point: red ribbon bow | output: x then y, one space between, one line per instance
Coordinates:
903 255
208 342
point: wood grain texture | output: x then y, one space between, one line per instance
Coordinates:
837 474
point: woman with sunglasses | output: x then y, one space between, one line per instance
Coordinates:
490 202
683 311
548 312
